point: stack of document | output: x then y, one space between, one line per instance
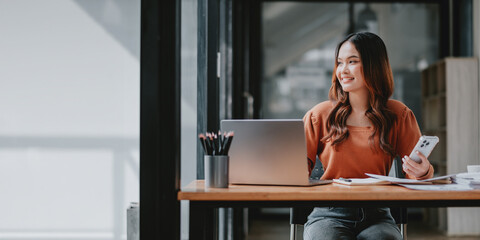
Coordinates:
436 180
431 184
453 182
375 179
470 179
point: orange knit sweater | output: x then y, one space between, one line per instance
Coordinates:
355 156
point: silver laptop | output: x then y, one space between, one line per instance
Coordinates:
268 152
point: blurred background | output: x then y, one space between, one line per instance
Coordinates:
299 40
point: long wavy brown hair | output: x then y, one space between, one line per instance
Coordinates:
379 82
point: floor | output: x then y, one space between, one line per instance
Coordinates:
277 227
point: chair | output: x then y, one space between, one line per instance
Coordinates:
298 215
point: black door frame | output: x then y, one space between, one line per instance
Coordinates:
160 120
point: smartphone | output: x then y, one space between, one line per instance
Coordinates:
424 145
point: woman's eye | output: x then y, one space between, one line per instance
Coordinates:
352 62
338 63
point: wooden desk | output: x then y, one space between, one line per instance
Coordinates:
204 201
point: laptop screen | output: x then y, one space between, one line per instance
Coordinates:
267 151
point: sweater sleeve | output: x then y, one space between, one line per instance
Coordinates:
408 135
312 138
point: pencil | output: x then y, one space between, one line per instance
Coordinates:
229 142
202 141
217 144
212 143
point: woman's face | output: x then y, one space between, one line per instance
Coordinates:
350 68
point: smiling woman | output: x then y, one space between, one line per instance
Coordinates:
361 87
360 120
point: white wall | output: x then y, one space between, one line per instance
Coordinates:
476 33
69 117
189 103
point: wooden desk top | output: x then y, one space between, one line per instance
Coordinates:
195 191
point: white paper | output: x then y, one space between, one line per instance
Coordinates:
438 187
361 181
405 180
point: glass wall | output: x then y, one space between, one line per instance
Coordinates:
299 41
69 118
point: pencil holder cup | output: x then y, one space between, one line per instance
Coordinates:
216 171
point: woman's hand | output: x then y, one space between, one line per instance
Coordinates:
415 169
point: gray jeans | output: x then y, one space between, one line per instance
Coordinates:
351 223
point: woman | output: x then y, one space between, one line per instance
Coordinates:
359 130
